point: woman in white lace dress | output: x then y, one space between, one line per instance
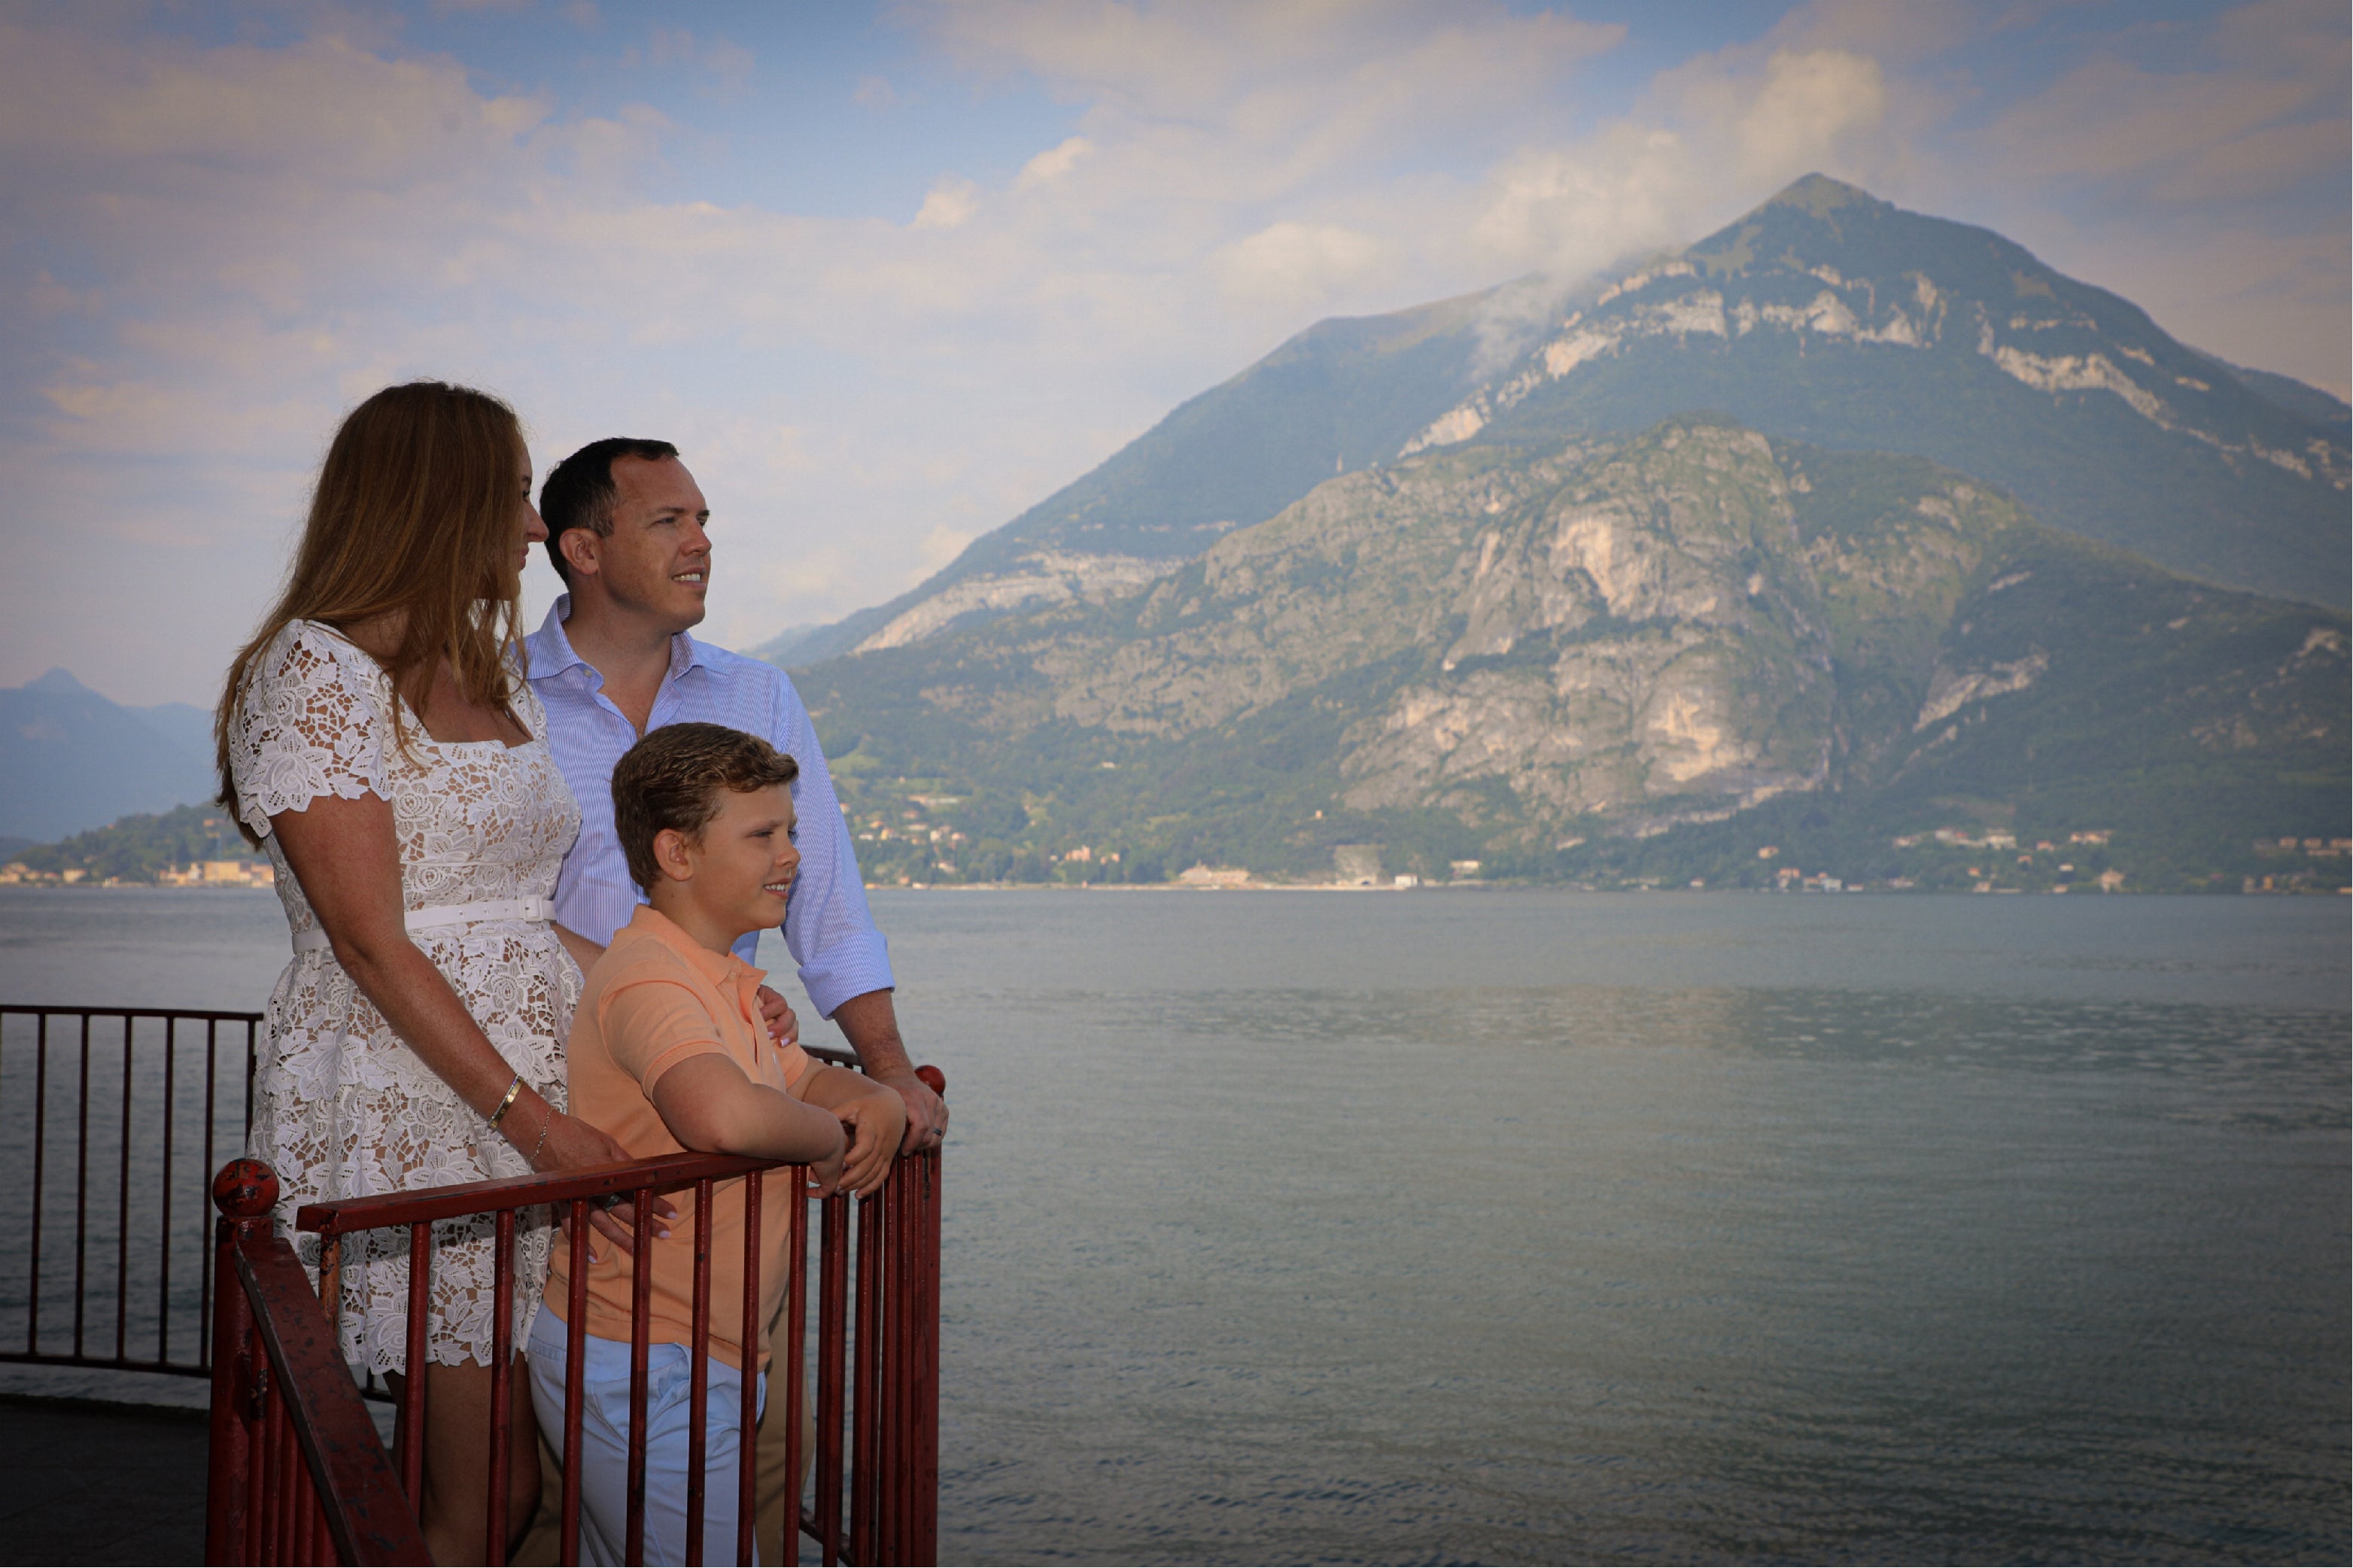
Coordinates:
377 738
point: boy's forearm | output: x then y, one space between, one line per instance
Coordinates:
719 1112
775 1126
829 1087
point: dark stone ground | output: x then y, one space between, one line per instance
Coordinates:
83 1481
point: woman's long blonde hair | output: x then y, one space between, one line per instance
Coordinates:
413 514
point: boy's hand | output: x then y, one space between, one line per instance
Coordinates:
777 1013
873 1122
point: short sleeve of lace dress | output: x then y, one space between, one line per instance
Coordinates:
310 723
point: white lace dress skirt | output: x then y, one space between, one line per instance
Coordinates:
344 1109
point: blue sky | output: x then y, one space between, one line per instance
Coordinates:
890 274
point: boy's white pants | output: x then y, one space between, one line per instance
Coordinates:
605 1443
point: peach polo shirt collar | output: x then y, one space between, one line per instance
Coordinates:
729 975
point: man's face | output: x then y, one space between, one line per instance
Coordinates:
657 561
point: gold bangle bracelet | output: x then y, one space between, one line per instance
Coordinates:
507 1104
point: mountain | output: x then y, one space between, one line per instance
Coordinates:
71 759
1583 656
1824 316
1339 396
1831 317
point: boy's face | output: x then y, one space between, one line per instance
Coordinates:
745 860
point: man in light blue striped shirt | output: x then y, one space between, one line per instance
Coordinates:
626 530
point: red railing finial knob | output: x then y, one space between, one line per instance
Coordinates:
245 1189
933 1078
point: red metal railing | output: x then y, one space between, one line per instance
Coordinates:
295 1467
877 1361
140 1100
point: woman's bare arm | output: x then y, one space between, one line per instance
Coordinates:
345 855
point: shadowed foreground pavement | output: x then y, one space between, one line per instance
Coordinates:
89 1481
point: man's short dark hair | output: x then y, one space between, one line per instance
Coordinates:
671 779
578 491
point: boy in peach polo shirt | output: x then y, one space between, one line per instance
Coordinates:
669 1054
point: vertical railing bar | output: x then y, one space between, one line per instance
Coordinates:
291 1467
642 1289
796 1334
747 1425
257 1520
494 1526
81 1188
886 1398
698 1368
575 1340
248 1130
330 1280
927 1544
279 1453
866 1363
898 1344
40 1152
204 1172
123 1212
323 1545
265 1465
409 1432
164 1260
833 1289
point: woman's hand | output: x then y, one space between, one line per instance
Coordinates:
777 1013
571 1145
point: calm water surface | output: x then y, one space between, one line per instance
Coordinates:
1524 1226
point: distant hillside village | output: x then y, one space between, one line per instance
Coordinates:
196 847
191 847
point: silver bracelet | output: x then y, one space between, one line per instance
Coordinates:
545 1122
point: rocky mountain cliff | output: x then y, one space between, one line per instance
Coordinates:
1824 316
1831 317
1528 655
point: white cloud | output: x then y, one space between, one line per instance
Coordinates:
1052 163
1297 265
950 204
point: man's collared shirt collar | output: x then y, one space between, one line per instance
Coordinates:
550 653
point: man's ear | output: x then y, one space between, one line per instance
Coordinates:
670 856
579 546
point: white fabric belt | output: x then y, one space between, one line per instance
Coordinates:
449 915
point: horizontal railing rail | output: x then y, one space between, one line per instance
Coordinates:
876 1349
111 1122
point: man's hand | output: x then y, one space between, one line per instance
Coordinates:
927 1113
871 1026
777 1013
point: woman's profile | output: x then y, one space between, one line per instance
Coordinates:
377 738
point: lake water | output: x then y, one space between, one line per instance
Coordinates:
1503 1227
